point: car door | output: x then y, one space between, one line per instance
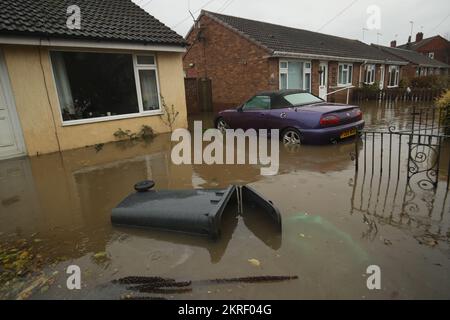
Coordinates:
253 113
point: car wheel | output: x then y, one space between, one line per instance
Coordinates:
222 125
291 137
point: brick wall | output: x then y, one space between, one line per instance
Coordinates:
408 71
315 77
439 46
340 96
236 66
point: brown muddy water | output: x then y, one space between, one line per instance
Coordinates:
55 212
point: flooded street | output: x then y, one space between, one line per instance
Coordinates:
55 212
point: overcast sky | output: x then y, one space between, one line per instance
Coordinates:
345 18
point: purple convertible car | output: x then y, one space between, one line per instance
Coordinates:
300 116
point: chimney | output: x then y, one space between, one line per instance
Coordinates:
419 36
393 43
409 39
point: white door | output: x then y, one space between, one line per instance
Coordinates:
323 80
381 77
11 141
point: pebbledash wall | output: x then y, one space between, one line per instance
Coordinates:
238 68
37 104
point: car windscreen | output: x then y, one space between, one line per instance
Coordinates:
301 98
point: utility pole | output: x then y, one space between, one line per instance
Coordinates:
411 32
378 37
364 29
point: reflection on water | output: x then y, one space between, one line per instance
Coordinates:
57 208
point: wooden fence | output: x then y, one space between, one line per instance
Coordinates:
198 95
398 94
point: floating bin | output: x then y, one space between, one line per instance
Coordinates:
197 211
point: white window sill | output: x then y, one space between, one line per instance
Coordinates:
112 118
342 85
392 86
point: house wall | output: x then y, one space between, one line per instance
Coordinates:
341 96
237 67
315 77
439 46
408 71
37 104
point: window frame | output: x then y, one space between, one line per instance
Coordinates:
396 76
369 72
285 71
141 112
349 74
137 67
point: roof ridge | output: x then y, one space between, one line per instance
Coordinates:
279 25
285 40
388 47
424 39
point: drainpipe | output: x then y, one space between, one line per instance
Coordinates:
360 70
55 127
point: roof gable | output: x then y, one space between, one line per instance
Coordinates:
112 20
415 45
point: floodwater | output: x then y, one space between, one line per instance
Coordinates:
55 212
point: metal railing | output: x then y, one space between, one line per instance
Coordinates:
342 89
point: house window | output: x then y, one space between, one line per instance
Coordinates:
295 74
369 74
394 72
345 71
102 86
145 72
431 55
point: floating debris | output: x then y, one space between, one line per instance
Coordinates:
171 286
141 280
100 257
129 297
10 201
152 289
98 147
254 262
167 284
256 279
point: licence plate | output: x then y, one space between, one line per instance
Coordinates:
348 133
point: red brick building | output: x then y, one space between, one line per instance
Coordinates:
434 47
418 64
242 57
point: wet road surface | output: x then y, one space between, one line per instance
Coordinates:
55 212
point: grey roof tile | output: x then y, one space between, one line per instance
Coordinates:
277 38
111 20
413 57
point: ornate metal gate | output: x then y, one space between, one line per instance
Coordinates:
421 142
402 173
